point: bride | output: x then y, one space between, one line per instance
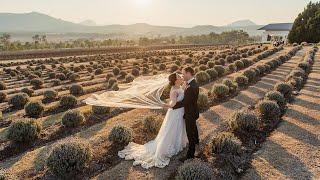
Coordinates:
171 138
145 92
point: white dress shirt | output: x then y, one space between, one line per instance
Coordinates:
190 80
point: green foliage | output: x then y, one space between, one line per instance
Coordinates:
219 91
27 91
74 77
250 74
116 71
61 76
220 70
2 86
239 64
100 110
203 102
152 123
202 78
306 27
72 118
135 72
98 71
162 67
268 111
34 109
278 98
285 89
229 37
232 85
111 82
3 96
68 102
212 73
23 130
50 95
69 157
18 101
305 66
194 169
76 90
115 87
232 67
129 78
36 83
120 134
241 80
243 121
225 143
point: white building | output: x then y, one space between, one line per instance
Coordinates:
277 31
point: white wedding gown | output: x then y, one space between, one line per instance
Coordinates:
170 140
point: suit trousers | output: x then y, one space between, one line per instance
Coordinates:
193 136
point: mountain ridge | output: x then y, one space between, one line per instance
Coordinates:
242 23
38 22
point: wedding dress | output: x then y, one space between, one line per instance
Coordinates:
170 140
145 92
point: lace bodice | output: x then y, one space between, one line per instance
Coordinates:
176 95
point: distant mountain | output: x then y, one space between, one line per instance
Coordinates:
242 23
34 21
41 23
88 22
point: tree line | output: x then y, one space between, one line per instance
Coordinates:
230 37
41 42
306 27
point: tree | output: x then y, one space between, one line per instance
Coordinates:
44 38
306 27
36 38
5 40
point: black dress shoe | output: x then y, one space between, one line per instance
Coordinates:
183 159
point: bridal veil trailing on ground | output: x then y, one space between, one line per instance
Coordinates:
145 92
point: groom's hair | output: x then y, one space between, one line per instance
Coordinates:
189 70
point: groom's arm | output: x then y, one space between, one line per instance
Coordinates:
188 98
178 105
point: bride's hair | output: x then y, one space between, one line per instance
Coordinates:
172 79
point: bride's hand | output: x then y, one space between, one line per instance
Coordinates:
165 106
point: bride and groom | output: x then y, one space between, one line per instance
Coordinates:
178 128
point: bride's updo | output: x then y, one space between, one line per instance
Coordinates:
172 79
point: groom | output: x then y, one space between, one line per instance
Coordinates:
191 109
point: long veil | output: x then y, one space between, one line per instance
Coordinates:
144 92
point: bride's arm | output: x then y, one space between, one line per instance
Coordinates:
173 99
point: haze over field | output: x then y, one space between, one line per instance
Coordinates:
131 19
185 13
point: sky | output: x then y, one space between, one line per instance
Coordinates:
162 12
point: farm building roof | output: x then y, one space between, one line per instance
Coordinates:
277 27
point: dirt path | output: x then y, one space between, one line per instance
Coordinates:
208 124
293 150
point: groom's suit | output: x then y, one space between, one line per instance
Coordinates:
191 115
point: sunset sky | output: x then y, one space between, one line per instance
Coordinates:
162 12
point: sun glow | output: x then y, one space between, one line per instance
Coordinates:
142 3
